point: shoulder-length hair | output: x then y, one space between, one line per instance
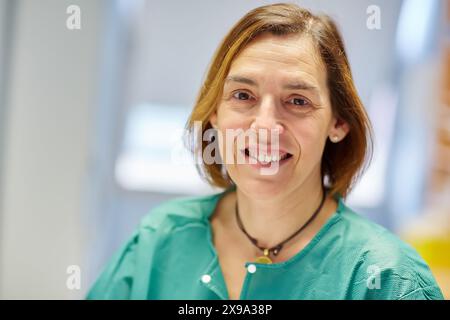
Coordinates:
342 163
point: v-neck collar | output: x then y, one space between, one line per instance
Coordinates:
217 282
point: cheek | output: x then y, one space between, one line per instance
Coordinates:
235 124
310 137
227 119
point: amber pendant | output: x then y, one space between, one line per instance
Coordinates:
265 258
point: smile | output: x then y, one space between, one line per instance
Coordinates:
267 159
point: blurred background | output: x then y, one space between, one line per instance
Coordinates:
87 88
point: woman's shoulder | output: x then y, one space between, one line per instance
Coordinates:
381 253
179 211
135 257
373 238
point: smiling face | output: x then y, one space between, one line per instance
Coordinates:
277 82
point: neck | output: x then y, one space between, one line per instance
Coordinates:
272 220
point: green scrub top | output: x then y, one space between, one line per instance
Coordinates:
171 256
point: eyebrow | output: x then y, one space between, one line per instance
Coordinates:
297 85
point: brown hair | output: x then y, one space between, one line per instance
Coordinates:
343 162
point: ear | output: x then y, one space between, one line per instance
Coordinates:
338 130
213 119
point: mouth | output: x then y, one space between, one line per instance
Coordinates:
268 158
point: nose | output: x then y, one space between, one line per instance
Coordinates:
267 118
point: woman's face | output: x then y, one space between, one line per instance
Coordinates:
276 83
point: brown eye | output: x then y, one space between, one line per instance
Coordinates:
299 102
241 95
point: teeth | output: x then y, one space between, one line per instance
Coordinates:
265 158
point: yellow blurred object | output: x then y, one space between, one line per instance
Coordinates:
430 236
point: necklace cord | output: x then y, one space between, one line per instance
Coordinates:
276 249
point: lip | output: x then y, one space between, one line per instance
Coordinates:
267 150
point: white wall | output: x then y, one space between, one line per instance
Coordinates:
51 102
57 163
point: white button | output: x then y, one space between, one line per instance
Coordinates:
251 268
206 278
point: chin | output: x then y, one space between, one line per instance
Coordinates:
261 188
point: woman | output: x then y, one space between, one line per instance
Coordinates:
281 83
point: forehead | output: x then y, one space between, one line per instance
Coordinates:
284 55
